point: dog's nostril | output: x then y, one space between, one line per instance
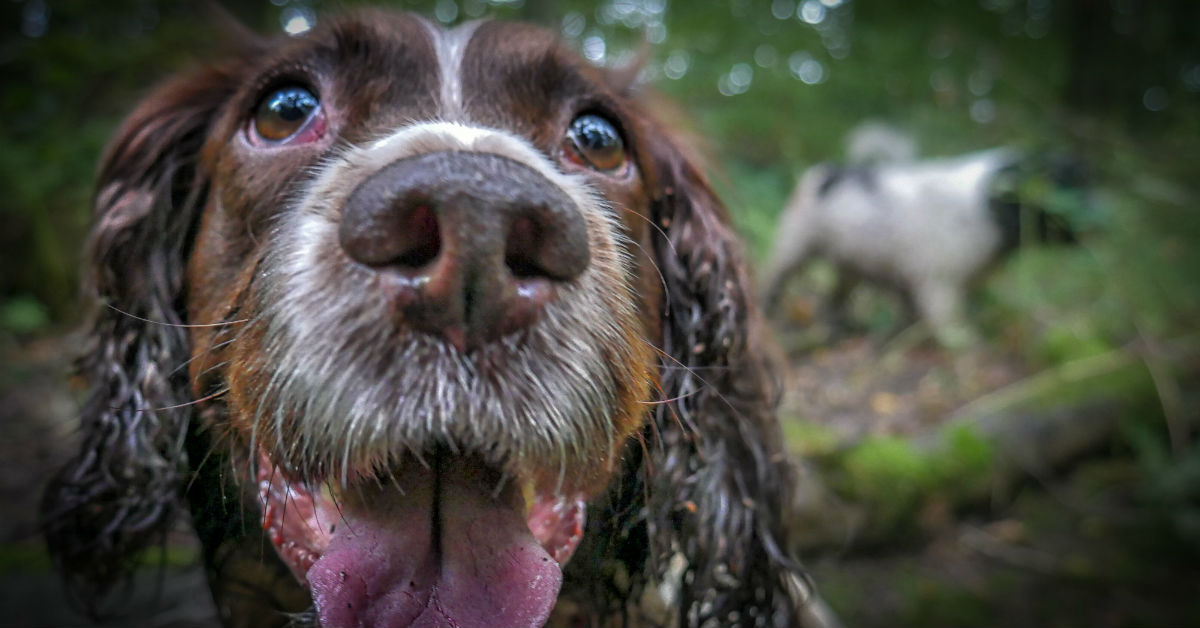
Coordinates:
544 242
402 232
419 240
520 252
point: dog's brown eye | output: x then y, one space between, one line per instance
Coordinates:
284 113
594 142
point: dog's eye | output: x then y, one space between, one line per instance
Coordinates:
287 114
595 143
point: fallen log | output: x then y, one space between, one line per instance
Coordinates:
874 489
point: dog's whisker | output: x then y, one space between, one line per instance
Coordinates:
337 504
662 278
177 406
697 368
199 466
505 476
669 400
197 356
177 325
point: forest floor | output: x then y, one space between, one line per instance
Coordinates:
1087 540
1071 546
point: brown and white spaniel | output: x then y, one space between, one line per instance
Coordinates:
424 327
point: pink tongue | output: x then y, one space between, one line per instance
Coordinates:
448 552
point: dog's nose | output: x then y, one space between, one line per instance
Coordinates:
472 246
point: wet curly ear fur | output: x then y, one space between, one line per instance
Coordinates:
704 504
719 479
121 493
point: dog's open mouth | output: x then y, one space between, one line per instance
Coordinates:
446 541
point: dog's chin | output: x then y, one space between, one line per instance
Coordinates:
436 540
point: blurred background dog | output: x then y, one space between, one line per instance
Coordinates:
924 227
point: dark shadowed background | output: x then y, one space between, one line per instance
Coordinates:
1049 475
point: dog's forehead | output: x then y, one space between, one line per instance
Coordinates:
499 74
510 68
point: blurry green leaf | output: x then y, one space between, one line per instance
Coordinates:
23 315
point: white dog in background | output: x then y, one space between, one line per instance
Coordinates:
927 227
874 142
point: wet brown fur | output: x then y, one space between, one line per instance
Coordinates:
701 475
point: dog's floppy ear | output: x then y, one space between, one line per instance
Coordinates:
122 491
719 478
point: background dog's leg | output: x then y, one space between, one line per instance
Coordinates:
940 304
788 255
837 311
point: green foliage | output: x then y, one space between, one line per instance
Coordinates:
965 460
754 190
928 598
887 475
1129 280
1169 480
23 315
62 93
893 478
